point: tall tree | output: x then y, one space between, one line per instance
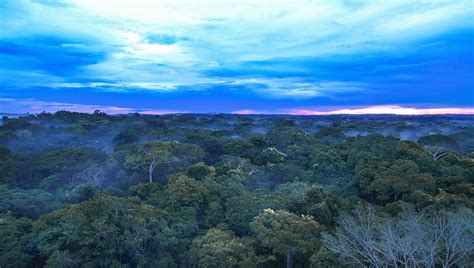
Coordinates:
153 154
287 234
221 248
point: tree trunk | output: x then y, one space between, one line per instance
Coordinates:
150 174
288 260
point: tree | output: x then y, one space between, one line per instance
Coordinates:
182 190
439 141
94 174
330 135
392 181
221 248
321 204
153 154
434 239
26 203
126 137
372 147
286 234
13 241
62 168
241 210
284 136
201 171
104 231
7 167
238 166
329 167
325 259
238 148
272 155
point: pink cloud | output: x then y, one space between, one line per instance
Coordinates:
160 112
385 109
249 111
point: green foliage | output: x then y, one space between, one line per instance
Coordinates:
201 171
330 135
83 192
286 234
329 167
238 148
322 205
385 182
240 210
372 147
182 190
438 140
13 241
26 203
164 156
126 137
325 259
221 248
7 167
62 168
272 155
103 231
226 190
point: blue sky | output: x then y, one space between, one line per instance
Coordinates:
301 57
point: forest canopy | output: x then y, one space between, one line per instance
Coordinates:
203 190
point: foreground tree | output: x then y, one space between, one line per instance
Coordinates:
286 234
104 231
440 239
221 248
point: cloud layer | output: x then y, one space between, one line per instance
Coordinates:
263 55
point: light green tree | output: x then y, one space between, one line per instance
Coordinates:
221 248
287 234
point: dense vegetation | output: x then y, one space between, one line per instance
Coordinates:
93 190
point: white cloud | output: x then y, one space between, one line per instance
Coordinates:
220 34
297 88
380 109
385 109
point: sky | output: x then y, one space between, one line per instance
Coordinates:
248 56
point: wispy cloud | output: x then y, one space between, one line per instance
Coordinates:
295 50
20 106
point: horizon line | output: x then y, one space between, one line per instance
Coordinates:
33 106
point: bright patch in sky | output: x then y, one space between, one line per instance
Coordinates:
299 57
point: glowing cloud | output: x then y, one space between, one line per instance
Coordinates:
381 109
387 109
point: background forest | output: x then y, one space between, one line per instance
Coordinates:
190 190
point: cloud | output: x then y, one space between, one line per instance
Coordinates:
381 109
295 50
294 87
20 106
248 111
